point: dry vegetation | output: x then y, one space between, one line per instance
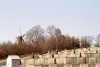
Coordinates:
38 41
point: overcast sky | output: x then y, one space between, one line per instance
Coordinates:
73 17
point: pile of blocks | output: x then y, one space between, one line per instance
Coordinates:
83 57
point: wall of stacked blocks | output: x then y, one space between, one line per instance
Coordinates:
83 57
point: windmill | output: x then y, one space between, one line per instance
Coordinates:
19 39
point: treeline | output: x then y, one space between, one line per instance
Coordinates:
39 41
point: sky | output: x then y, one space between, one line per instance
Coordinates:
73 17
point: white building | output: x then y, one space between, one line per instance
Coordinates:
13 61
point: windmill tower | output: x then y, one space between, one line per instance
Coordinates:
19 39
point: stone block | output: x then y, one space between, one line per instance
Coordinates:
46 61
73 60
52 65
92 65
93 48
59 52
71 55
92 60
56 55
67 60
37 66
44 65
36 61
83 65
40 56
51 61
97 59
30 62
22 61
75 65
92 51
84 55
62 55
80 60
41 61
98 65
47 56
3 66
29 66
68 65
60 60
97 55
77 54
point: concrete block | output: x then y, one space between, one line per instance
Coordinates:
98 65
52 65
56 55
98 51
92 51
84 55
51 61
77 54
80 60
60 60
59 65
46 61
97 55
29 66
30 62
44 65
73 60
97 59
47 56
98 48
92 60
59 52
71 52
92 65
83 65
22 61
78 50
36 61
92 54
84 49
40 56
37 66
75 65
3 66
68 65
40 61
93 48
68 60
62 55
71 55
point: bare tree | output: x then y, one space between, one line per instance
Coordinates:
58 32
97 39
89 39
51 30
84 42
71 42
54 37
51 33
35 36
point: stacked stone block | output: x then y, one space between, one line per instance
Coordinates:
85 57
